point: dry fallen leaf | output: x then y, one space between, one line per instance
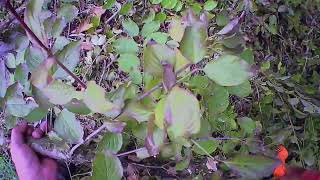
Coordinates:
83 26
86 46
97 10
212 164
131 170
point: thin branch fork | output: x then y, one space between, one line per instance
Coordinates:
49 52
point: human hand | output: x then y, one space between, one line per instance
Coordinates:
29 165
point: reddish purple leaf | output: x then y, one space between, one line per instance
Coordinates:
115 127
150 144
169 77
233 26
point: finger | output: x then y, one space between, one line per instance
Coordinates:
18 133
30 130
44 126
49 168
37 133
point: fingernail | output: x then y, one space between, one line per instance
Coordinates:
37 133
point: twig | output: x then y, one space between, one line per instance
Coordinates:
200 147
150 91
114 14
88 138
81 174
151 167
295 135
218 139
130 152
103 71
31 33
68 170
160 84
105 68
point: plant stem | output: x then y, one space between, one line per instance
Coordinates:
130 152
150 91
200 147
206 152
31 33
151 167
160 84
88 138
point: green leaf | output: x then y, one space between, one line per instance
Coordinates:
155 1
20 57
110 142
161 17
176 29
11 121
265 66
78 107
219 101
137 111
168 4
222 19
126 8
36 114
193 44
178 6
149 28
182 164
95 99
253 167
42 76
108 4
60 43
128 62
242 90
159 113
125 45
196 7
4 79
224 121
10 61
40 98
210 5
159 37
247 125
227 70
136 76
248 56
233 42
21 42
34 57
68 128
106 166
130 27
32 18
153 55
150 17
18 107
21 74
58 27
60 93
69 56
186 123
209 146
68 12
